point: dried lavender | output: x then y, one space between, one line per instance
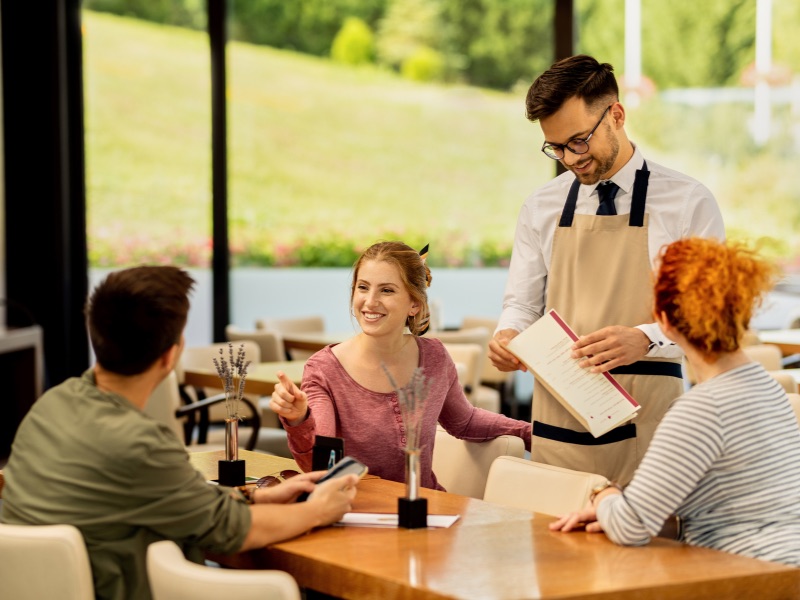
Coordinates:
229 371
411 399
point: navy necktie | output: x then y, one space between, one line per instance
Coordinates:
607 191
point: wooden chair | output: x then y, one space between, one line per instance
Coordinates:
202 357
168 406
44 561
172 577
538 487
462 467
767 355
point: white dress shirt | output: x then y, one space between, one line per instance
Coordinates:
677 207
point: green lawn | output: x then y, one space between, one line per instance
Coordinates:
325 158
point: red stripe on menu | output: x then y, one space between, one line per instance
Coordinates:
573 336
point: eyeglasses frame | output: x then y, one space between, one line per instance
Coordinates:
561 147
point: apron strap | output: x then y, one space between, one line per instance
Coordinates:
636 218
583 438
650 367
569 207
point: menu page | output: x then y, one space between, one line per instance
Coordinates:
595 399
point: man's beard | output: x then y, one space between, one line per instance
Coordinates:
604 165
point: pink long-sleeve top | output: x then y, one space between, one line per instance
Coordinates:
371 424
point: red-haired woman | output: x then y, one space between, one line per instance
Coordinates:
725 459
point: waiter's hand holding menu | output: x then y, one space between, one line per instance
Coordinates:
594 399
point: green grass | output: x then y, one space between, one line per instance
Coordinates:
330 158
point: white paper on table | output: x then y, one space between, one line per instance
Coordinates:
390 520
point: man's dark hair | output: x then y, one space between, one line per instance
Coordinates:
578 76
137 314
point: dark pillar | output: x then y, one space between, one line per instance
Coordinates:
217 14
45 199
565 37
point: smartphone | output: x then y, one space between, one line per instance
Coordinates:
348 465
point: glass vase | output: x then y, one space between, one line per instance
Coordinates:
232 439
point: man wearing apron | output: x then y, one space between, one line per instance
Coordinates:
589 253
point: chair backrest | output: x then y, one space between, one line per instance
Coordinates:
490 373
2 483
163 403
538 487
270 343
794 400
172 577
786 379
44 561
767 355
469 357
310 324
462 467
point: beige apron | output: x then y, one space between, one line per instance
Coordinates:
600 275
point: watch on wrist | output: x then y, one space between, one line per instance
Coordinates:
603 486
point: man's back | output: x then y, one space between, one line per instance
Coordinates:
92 459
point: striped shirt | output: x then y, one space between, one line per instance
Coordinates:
726 459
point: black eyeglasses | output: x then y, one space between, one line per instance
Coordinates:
575 145
276 478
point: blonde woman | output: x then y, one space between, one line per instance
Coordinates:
346 393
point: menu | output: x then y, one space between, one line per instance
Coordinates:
597 400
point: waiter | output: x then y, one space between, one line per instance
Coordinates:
586 244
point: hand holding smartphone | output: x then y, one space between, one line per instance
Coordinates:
347 466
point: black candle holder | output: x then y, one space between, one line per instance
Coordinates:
231 472
412 514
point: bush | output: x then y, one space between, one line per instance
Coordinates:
425 64
354 44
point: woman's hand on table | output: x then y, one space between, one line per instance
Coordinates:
586 518
289 401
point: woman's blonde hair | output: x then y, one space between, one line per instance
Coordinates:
710 289
415 274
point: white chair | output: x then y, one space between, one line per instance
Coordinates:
462 467
787 381
491 377
538 487
480 395
469 356
44 561
767 355
172 577
794 400
310 324
270 343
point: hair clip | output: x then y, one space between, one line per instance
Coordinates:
423 254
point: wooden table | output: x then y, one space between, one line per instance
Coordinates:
261 377
788 340
495 552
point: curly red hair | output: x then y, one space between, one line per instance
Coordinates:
710 289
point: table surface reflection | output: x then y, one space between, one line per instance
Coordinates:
498 552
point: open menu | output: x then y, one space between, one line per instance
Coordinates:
597 400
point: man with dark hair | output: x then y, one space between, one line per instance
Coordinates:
87 455
585 245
